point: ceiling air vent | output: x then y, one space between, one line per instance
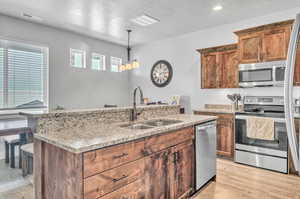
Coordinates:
145 20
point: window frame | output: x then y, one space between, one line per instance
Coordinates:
83 58
103 61
113 57
5 43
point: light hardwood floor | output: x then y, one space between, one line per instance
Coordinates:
236 181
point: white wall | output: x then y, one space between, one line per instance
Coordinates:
71 87
181 53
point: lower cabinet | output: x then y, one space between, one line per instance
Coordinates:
225 137
135 190
157 167
182 180
166 170
158 174
169 173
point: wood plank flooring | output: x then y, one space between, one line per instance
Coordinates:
236 181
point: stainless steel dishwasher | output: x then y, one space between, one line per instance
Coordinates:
205 153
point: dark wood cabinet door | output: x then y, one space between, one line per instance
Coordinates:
182 170
225 137
297 68
209 63
230 62
250 47
157 175
135 190
275 43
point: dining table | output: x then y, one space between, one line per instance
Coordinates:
13 126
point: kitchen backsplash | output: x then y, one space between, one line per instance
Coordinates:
47 123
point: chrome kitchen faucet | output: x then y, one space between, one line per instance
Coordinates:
133 112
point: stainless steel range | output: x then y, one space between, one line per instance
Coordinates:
269 154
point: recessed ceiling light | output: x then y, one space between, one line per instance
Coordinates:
145 20
31 17
217 8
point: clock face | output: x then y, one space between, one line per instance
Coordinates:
161 73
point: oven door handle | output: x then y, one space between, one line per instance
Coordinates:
244 117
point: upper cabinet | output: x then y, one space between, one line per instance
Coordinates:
219 67
250 48
297 68
264 43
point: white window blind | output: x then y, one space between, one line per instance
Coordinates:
115 62
23 75
98 62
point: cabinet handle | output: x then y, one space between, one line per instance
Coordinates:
121 178
176 156
120 156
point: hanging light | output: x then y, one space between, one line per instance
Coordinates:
130 65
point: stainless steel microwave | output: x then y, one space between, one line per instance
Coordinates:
262 74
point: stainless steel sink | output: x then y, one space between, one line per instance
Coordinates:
150 124
161 122
136 126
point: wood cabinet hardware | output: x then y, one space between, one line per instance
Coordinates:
121 178
120 156
174 157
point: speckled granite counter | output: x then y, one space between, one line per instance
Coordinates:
90 137
76 112
52 121
297 115
224 111
219 108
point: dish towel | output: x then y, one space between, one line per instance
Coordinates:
260 128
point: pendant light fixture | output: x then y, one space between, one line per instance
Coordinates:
130 64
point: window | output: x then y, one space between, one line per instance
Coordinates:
98 62
23 75
77 58
115 62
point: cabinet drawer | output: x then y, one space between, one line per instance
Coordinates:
111 180
103 159
135 190
158 143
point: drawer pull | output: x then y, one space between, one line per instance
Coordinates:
120 156
121 178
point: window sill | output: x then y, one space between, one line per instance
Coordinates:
15 112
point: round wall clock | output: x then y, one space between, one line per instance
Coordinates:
161 73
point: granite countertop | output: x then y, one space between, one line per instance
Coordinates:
47 113
87 138
297 115
226 111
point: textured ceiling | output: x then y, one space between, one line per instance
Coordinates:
108 19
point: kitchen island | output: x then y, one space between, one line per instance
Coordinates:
117 159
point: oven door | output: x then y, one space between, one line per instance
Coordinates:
279 144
